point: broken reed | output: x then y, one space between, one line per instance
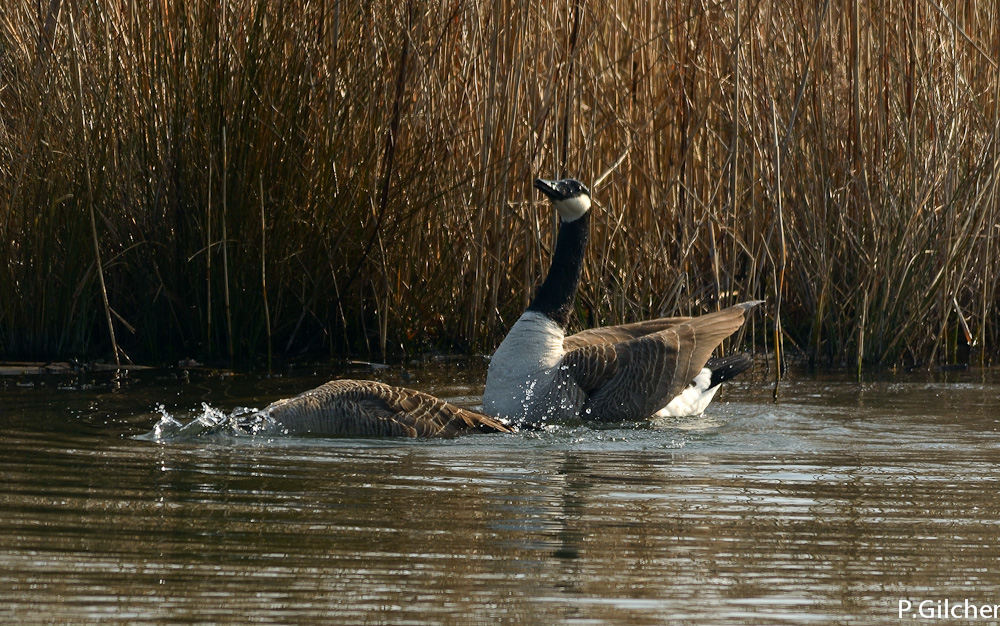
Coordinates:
838 159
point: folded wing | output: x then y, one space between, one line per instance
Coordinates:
634 378
353 408
623 332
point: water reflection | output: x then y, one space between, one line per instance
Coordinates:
827 508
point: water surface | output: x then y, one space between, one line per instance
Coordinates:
830 506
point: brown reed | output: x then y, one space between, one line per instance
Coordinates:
838 158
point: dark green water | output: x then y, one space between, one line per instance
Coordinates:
829 506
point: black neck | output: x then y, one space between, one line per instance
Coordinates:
556 295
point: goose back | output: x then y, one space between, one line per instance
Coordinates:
356 408
614 334
635 378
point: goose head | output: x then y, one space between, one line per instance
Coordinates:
569 197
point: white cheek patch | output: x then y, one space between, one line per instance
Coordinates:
572 209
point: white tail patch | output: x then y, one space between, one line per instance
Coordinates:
694 399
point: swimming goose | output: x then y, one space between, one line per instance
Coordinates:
658 367
363 408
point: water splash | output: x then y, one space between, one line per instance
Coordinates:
255 423
164 427
211 422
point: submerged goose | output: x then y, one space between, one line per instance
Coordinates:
361 408
634 371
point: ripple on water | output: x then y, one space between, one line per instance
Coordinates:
825 508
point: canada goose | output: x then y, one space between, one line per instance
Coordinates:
362 408
634 371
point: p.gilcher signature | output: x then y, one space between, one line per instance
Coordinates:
947 609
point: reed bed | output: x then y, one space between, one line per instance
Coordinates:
227 181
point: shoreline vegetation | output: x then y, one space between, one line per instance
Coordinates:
274 179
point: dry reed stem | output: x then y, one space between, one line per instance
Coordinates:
90 192
396 147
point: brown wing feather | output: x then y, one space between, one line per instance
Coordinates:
432 417
605 335
591 366
354 408
651 370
